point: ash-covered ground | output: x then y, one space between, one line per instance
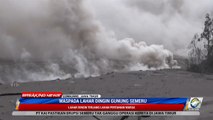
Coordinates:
160 83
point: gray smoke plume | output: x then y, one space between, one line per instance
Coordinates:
50 39
171 23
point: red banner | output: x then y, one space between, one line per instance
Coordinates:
101 107
41 94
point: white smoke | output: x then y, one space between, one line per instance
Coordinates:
172 23
65 33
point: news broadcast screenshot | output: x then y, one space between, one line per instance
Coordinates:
106 59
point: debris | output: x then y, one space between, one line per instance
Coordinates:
96 118
15 84
124 117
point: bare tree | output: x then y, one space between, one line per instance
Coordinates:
201 46
196 54
207 35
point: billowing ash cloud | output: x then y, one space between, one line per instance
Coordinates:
65 33
172 23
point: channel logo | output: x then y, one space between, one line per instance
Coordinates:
194 103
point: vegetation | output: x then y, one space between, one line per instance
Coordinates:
201 49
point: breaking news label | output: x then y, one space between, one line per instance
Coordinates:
59 104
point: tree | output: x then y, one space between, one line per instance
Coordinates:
207 35
196 53
201 47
